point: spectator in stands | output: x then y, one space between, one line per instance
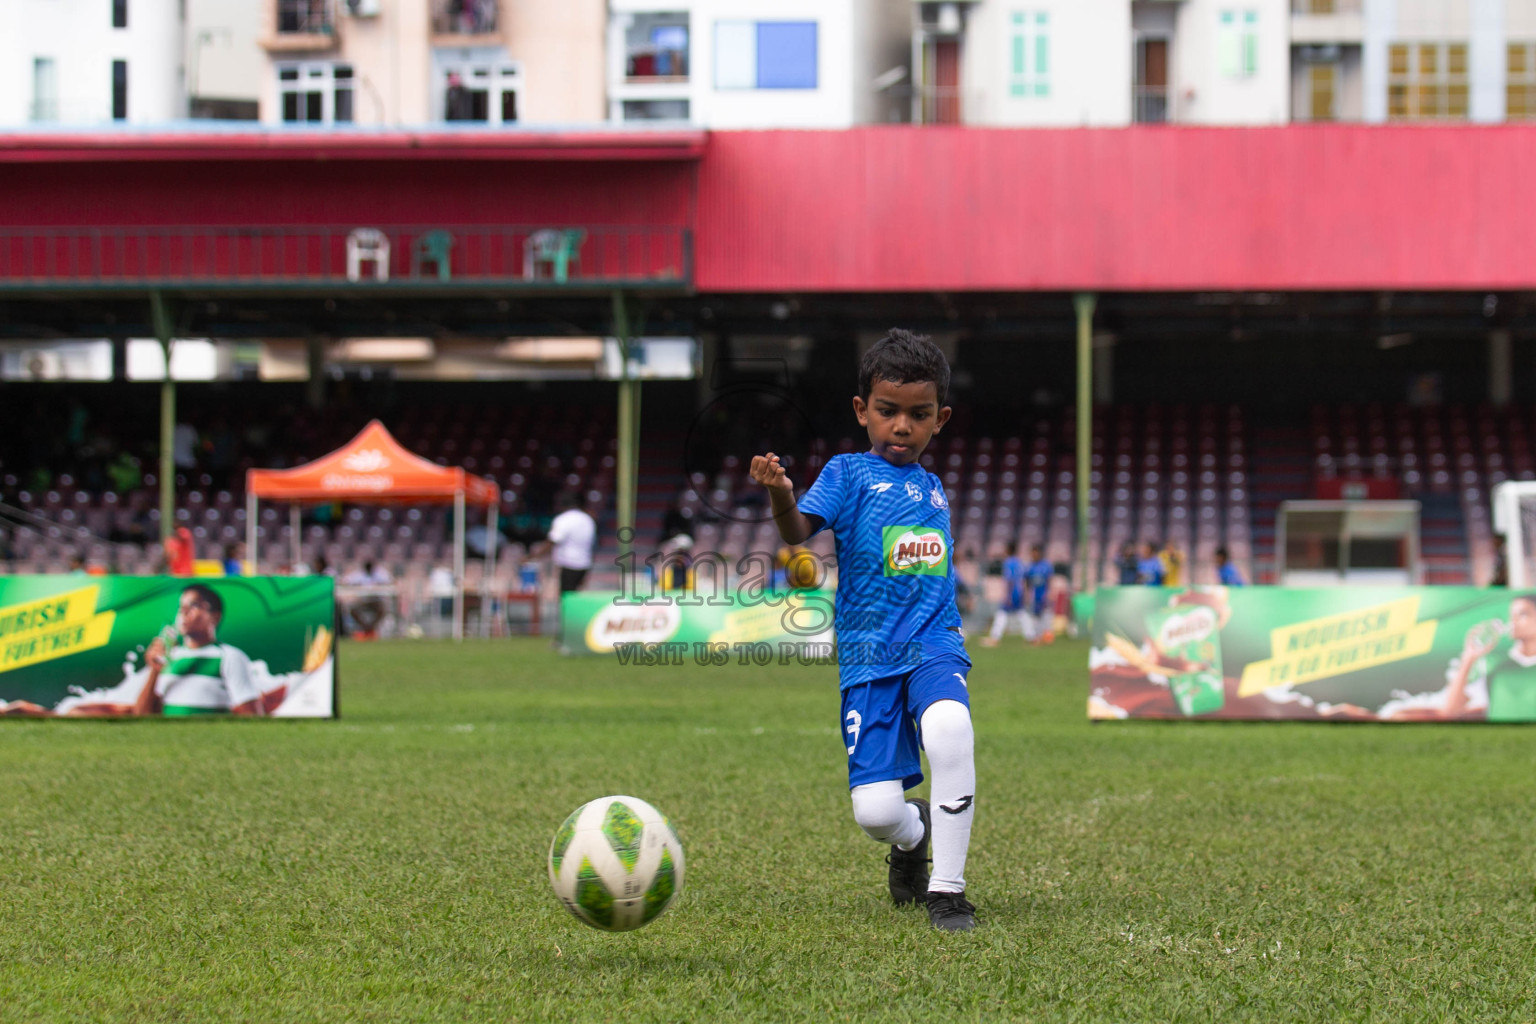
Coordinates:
233 566
1500 576
179 552
1226 573
363 616
1127 566
76 565
1061 602
370 574
125 473
676 522
1173 565
1149 571
572 538
136 527
184 446
675 560
440 585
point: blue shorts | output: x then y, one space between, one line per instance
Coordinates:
880 720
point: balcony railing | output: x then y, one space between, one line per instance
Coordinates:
1151 104
464 17
305 17
940 104
344 256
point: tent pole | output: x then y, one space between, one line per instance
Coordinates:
488 585
458 564
295 551
250 530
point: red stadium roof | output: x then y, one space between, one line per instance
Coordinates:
868 210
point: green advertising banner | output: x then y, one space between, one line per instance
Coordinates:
1380 654
111 646
791 625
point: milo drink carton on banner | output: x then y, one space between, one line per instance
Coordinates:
1188 644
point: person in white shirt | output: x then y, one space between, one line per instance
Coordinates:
572 537
195 674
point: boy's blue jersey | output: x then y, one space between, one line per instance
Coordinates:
1013 584
1229 576
895 571
1039 574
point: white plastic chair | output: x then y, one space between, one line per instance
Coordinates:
367 245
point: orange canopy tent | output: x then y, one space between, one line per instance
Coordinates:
374 468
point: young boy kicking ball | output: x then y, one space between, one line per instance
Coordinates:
901 656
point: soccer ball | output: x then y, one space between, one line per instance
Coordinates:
616 863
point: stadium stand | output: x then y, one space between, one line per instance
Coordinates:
1195 476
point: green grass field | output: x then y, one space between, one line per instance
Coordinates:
391 865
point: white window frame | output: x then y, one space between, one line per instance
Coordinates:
496 77
313 74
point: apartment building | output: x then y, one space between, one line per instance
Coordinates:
85 62
1413 60
1101 62
758 63
419 62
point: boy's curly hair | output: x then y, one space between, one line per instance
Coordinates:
902 357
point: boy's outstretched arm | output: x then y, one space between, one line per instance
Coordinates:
795 527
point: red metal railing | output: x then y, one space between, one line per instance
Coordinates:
346 255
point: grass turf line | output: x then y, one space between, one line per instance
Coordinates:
391 865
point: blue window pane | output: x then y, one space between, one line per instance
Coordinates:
786 55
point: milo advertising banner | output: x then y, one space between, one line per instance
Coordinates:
114 646
792 626
1399 654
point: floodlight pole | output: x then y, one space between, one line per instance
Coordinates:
1084 303
629 430
161 318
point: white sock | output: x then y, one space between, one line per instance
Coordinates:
950 743
999 624
882 811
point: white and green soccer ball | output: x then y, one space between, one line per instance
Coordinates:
616 863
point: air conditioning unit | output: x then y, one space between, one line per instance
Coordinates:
362 8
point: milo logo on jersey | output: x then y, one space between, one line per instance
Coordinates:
915 551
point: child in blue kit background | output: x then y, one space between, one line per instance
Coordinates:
1039 573
901 656
1014 606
